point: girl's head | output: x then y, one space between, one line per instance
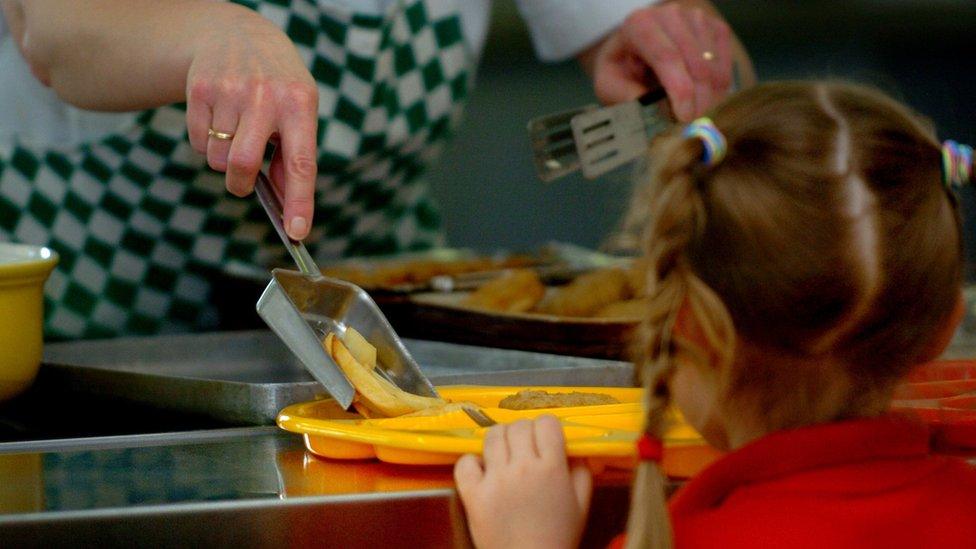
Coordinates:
801 275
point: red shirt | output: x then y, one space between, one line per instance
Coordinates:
864 483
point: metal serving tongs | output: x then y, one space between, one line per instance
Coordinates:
596 139
302 307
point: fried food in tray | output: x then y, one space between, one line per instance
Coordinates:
516 291
405 273
614 293
637 276
587 294
628 308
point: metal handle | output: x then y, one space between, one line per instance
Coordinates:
268 198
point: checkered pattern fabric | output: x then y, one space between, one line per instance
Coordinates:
141 224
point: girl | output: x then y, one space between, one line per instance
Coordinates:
805 253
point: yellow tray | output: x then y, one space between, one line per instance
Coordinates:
605 433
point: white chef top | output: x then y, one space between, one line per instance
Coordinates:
560 29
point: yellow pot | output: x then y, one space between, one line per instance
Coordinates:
23 270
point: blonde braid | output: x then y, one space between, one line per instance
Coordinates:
677 213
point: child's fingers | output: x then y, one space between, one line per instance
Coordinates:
549 437
496 447
521 439
582 485
468 473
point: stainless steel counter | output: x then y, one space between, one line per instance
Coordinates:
250 487
240 487
256 486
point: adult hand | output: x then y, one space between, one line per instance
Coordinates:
523 492
251 85
239 74
682 45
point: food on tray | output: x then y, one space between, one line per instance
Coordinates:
375 395
587 293
535 400
633 309
610 293
515 291
444 409
396 272
637 276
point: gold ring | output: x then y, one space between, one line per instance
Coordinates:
707 55
224 136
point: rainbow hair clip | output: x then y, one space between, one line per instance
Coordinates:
957 164
712 140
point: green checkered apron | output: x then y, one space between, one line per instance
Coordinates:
142 225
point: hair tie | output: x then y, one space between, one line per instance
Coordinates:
712 140
649 448
957 163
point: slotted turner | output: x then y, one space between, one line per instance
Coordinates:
612 136
596 140
553 149
302 307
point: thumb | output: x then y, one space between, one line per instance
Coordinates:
582 485
614 85
468 474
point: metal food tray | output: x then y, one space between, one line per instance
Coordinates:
247 377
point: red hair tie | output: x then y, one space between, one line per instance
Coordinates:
649 448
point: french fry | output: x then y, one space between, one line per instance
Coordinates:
631 309
516 291
587 293
375 396
637 276
362 350
445 409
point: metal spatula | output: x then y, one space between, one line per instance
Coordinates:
596 139
553 149
302 307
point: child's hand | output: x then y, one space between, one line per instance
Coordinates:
523 493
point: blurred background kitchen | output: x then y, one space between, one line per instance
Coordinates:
920 51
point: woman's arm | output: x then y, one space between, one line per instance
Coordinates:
238 73
120 55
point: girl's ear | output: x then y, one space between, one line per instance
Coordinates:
942 338
688 331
